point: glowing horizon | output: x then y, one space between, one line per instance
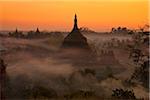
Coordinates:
98 16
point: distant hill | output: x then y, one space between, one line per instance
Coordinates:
86 30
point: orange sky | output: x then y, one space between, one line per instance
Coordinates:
99 15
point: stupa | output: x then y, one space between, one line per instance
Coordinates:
75 39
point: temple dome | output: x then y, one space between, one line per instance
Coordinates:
75 39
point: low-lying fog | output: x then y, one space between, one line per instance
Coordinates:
41 63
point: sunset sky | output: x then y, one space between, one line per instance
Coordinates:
52 15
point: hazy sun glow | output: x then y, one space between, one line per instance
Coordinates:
99 15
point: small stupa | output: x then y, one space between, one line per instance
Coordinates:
37 30
16 31
75 39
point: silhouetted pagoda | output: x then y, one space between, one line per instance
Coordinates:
17 34
75 39
37 30
16 31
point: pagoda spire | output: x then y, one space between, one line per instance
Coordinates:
75 23
37 30
16 31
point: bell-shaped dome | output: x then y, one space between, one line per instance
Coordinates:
75 39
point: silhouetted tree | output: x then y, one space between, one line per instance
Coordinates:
2 79
2 67
141 74
136 55
119 28
130 32
123 94
113 30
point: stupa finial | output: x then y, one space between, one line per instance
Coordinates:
75 22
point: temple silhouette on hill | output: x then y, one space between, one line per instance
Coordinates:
75 39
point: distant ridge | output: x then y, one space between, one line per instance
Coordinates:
86 30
